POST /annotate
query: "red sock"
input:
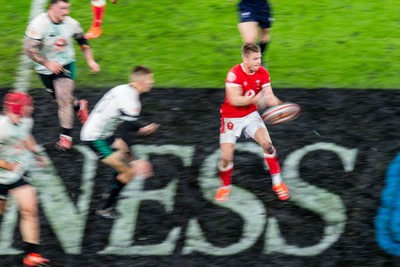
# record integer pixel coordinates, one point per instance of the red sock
(98, 12)
(273, 163)
(225, 174)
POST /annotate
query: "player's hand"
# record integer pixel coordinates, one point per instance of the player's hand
(113, 1)
(94, 67)
(148, 129)
(54, 67)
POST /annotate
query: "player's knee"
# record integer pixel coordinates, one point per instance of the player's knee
(265, 34)
(265, 39)
(29, 212)
(65, 100)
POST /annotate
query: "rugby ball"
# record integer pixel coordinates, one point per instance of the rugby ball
(281, 113)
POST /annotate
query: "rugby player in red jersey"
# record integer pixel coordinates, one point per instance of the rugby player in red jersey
(247, 86)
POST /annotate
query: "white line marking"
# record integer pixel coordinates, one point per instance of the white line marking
(23, 76)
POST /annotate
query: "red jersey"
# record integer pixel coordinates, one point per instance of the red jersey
(251, 85)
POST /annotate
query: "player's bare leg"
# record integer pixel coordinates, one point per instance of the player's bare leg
(265, 38)
(249, 31)
(225, 170)
(26, 198)
(117, 161)
(64, 90)
(264, 140)
(125, 173)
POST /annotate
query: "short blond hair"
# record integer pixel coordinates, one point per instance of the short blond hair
(250, 48)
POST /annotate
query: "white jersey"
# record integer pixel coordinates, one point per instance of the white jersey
(57, 39)
(13, 148)
(121, 103)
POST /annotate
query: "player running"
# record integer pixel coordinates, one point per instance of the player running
(49, 43)
(247, 85)
(16, 147)
(107, 133)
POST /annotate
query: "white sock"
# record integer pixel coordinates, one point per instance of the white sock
(276, 179)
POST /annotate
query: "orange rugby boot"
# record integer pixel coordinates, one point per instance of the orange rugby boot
(64, 143)
(35, 260)
(94, 32)
(222, 194)
(281, 191)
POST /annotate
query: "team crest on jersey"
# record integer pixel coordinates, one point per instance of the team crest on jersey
(250, 93)
(231, 77)
(230, 125)
(60, 42)
(245, 83)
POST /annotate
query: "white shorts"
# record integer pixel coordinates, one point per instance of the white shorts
(232, 128)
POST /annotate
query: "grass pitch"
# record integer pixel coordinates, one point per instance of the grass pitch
(192, 44)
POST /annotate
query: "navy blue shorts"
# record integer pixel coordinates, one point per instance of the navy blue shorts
(258, 11)
(4, 188)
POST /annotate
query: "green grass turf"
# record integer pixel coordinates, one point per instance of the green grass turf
(192, 44)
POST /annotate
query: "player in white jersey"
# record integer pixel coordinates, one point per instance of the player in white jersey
(49, 43)
(16, 147)
(108, 128)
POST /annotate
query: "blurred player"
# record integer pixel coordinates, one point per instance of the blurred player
(49, 42)
(108, 129)
(98, 9)
(247, 85)
(16, 147)
(255, 22)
